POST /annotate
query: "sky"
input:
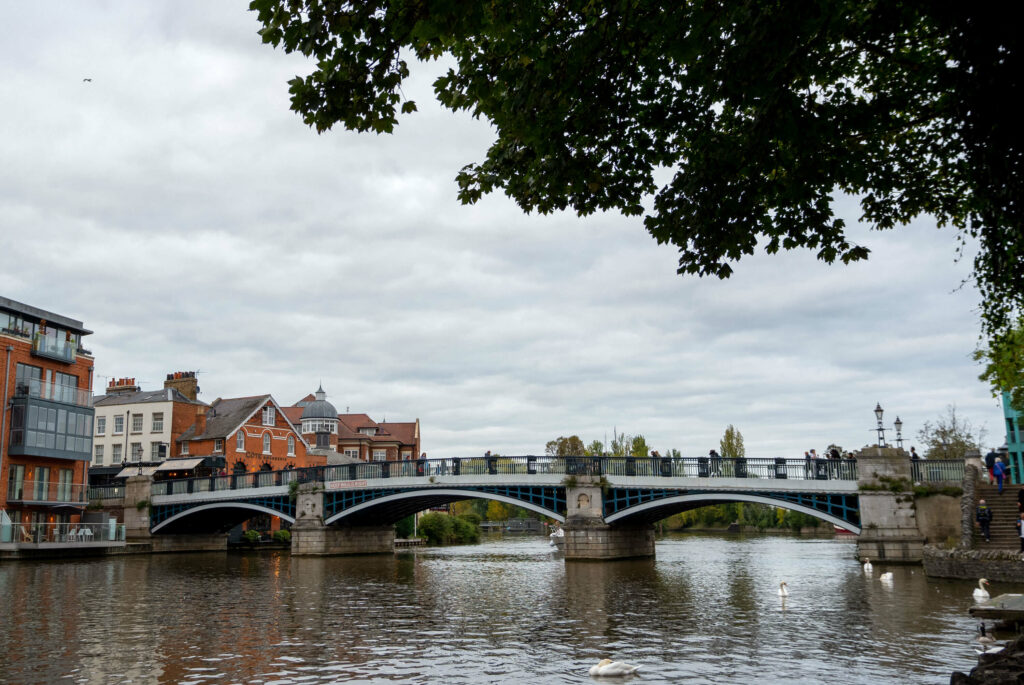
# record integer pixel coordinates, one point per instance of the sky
(177, 207)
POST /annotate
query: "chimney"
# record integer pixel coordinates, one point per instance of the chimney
(121, 386)
(200, 421)
(184, 382)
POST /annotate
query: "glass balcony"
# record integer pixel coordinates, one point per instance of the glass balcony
(45, 492)
(106, 534)
(65, 394)
(54, 348)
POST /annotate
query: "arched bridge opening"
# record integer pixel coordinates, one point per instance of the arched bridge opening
(389, 505)
(624, 506)
(215, 517)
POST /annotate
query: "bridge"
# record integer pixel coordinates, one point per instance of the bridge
(608, 504)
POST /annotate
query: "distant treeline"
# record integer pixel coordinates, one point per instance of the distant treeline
(760, 516)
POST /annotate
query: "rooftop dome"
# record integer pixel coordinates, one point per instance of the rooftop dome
(320, 408)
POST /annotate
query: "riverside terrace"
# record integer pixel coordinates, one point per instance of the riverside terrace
(608, 504)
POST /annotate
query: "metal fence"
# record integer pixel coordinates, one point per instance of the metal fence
(658, 467)
(937, 471)
(65, 533)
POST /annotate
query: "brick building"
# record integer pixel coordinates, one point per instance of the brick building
(46, 423)
(355, 436)
(136, 427)
(251, 433)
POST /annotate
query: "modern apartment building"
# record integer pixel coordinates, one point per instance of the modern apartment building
(46, 424)
(1014, 440)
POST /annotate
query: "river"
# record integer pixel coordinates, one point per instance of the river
(509, 610)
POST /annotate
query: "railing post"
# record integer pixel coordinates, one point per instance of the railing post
(456, 466)
(385, 469)
(741, 467)
(492, 466)
(780, 468)
(531, 465)
(666, 467)
(421, 466)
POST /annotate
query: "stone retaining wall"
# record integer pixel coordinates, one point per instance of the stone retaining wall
(327, 541)
(595, 540)
(996, 565)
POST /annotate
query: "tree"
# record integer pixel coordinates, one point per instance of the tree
(760, 112)
(950, 437)
(731, 444)
(497, 511)
(1004, 365)
(638, 447)
(565, 447)
(595, 449)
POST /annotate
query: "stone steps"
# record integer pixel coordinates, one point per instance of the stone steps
(1004, 516)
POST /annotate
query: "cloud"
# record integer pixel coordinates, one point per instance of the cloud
(180, 209)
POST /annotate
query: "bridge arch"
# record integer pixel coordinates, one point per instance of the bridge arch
(400, 504)
(242, 512)
(662, 508)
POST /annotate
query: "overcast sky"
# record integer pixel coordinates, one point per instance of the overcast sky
(177, 207)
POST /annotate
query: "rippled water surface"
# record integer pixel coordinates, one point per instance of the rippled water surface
(509, 610)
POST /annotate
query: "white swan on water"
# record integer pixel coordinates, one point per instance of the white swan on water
(783, 592)
(867, 565)
(980, 592)
(606, 668)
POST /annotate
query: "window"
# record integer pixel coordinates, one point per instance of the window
(136, 451)
(291, 445)
(64, 480)
(218, 445)
(352, 453)
(380, 455)
(98, 457)
(41, 491)
(266, 443)
(62, 429)
(136, 423)
(184, 447)
(368, 431)
(115, 455)
(240, 441)
(269, 416)
(118, 424)
(155, 451)
(158, 422)
(101, 425)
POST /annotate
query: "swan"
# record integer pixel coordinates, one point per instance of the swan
(867, 565)
(980, 592)
(886, 577)
(606, 668)
(783, 592)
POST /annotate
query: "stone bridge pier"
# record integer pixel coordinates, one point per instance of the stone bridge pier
(588, 537)
(888, 516)
(312, 537)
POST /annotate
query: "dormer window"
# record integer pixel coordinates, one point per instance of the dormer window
(269, 416)
(368, 431)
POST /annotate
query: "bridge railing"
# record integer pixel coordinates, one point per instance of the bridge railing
(660, 467)
(937, 471)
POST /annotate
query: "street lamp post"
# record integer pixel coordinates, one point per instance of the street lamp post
(881, 429)
(898, 425)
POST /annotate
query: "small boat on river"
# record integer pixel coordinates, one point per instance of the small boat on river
(557, 538)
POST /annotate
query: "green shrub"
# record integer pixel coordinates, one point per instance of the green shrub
(404, 528)
(472, 517)
(282, 535)
(466, 532)
(251, 536)
(437, 528)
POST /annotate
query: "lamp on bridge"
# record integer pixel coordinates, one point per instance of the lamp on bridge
(898, 425)
(881, 429)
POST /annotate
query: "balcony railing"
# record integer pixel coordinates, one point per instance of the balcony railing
(69, 534)
(54, 348)
(64, 394)
(938, 471)
(45, 491)
(98, 492)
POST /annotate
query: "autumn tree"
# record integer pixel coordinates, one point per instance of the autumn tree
(565, 447)
(595, 449)
(950, 436)
(759, 113)
(731, 444)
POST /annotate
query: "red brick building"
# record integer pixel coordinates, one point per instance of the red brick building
(46, 423)
(251, 433)
(356, 436)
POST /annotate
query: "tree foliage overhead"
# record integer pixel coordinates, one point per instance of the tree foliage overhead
(731, 444)
(759, 112)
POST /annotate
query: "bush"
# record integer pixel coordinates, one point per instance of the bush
(282, 535)
(472, 517)
(442, 529)
(251, 536)
(404, 528)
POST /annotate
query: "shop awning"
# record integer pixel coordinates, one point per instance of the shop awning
(179, 464)
(134, 471)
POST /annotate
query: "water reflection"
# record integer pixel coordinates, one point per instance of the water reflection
(510, 610)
